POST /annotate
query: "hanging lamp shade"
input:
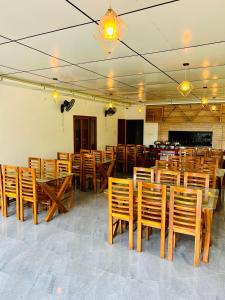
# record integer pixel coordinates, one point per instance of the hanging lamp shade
(110, 30)
(213, 107)
(185, 87)
(204, 101)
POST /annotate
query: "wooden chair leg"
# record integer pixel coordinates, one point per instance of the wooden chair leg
(35, 213)
(5, 200)
(139, 237)
(147, 233)
(95, 184)
(110, 230)
(131, 235)
(197, 251)
(21, 210)
(162, 242)
(170, 245)
(17, 208)
(174, 240)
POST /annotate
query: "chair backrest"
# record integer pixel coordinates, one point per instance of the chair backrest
(35, 163)
(98, 155)
(200, 180)
(152, 203)
(143, 175)
(48, 168)
(210, 160)
(108, 155)
(77, 162)
(131, 153)
(175, 158)
(186, 152)
(1, 186)
(140, 151)
(168, 177)
(63, 156)
(10, 181)
(89, 165)
(63, 166)
(27, 184)
(120, 195)
(109, 148)
(165, 164)
(121, 152)
(211, 170)
(185, 209)
(202, 152)
(85, 151)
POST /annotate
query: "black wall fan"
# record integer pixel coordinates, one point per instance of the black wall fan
(110, 111)
(67, 105)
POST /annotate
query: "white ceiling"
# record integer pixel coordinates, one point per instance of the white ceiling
(40, 40)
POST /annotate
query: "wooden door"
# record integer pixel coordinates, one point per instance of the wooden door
(85, 133)
(121, 137)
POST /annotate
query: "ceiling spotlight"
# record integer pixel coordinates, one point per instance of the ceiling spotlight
(185, 87)
(213, 107)
(55, 94)
(204, 101)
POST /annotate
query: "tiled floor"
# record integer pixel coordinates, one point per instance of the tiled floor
(69, 258)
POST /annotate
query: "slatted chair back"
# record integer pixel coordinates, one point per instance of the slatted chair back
(85, 151)
(211, 170)
(1, 195)
(120, 205)
(152, 211)
(202, 152)
(186, 152)
(121, 156)
(89, 169)
(174, 158)
(108, 155)
(98, 155)
(200, 180)
(63, 156)
(10, 188)
(217, 153)
(48, 168)
(63, 166)
(35, 163)
(77, 163)
(109, 148)
(131, 157)
(140, 151)
(28, 191)
(210, 160)
(185, 217)
(166, 164)
(168, 177)
(142, 175)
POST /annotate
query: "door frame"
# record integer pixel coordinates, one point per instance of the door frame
(89, 138)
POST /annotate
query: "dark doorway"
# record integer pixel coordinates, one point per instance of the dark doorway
(130, 131)
(85, 133)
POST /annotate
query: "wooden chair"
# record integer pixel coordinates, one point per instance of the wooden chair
(168, 177)
(174, 158)
(77, 167)
(63, 166)
(98, 155)
(151, 211)
(108, 155)
(35, 163)
(63, 156)
(28, 191)
(89, 170)
(211, 170)
(121, 157)
(165, 164)
(131, 157)
(48, 168)
(202, 152)
(120, 207)
(185, 217)
(85, 151)
(142, 175)
(186, 152)
(109, 148)
(210, 160)
(10, 188)
(200, 180)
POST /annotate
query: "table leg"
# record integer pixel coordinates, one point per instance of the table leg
(106, 174)
(208, 225)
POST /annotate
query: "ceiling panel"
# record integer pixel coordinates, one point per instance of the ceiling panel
(96, 11)
(67, 73)
(16, 56)
(27, 17)
(75, 45)
(32, 78)
(121, 66)
(4, 70)
(146, 78)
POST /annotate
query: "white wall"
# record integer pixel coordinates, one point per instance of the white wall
(31, 124)
(150, 129)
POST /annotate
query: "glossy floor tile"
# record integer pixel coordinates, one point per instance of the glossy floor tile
(69, 258)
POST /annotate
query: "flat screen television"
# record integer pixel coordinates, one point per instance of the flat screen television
(191, 138)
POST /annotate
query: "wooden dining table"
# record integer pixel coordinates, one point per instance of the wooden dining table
(49, 187)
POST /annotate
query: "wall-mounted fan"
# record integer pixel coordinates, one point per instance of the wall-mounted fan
(110, 111)
(67, 105)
